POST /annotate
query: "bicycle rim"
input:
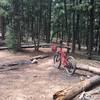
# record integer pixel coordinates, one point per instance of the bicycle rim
(57, 60)
(70, 69)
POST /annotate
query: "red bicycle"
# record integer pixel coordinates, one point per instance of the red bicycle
(60, 57)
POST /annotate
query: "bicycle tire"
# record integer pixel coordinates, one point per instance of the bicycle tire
(70, 69)
(57, 60)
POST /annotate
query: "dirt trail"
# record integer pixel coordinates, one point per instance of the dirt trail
(32, 82)
(36, 82)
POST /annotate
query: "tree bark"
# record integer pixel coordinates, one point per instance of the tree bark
(66, 28)
(78, 27)
(91, 34)
(72, 91)
(49, 21)
(2, 26)
(39, 57)
(74, 32)
(99, 45)
(99, 37)
(89, 68)
(91, 95)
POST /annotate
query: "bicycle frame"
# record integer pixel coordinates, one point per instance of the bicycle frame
(62, 54)
(63, 57)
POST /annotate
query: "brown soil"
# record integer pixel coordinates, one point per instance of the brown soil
(36, 81)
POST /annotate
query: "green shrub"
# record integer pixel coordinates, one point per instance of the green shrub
(11, 41)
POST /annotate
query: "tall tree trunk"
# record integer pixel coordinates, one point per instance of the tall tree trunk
(22, 20)
(16, 23)
(96, 40)
(69, 26)
(78, 27)
(38, 25)
(91, 34)
(45, 27)
(99, 37)
(49, 20)
(65, 10)
(99, 44)
(87, 35)
(74, 32)
(2, 26)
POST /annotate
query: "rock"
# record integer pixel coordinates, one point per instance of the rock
(34, 61)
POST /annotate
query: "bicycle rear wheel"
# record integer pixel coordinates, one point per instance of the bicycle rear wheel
(70, 69)
(57, 60)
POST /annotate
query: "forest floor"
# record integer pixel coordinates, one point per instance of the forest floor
(36, 81)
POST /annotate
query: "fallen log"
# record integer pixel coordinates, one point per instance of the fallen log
(39, 57)
(22, 62)
(12, 64)
(90, 95)
(72, 91)
(89, 68)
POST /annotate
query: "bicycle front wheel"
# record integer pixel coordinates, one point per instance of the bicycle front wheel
(70, 69)
(57, 60)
